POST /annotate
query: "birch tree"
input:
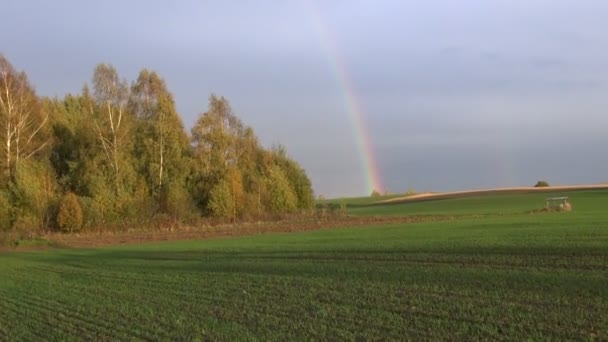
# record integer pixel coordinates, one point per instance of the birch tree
(161, 140)
(216, 137)
(23, 125)
(112, 95)
(215, 143)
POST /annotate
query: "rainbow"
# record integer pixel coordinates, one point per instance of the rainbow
(354, 109)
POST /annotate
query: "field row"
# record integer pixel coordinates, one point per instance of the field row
(490, 277)
(149, 295)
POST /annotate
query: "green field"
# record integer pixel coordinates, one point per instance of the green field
(584, 201)
(509, 275)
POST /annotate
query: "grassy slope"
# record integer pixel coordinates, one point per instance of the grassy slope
(482, 204)
(538, 276)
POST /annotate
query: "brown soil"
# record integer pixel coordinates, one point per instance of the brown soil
(522, 189)
(193, 233)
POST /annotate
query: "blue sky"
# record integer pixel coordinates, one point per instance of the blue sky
(456, 94)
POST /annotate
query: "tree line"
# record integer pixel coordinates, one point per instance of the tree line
(118, 153)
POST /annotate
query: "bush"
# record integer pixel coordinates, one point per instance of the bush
(220, 202)
(376, 194)
(69, 217)
(176, 202)
(541, 184)
(33, 195)
(26, 227)
(343, 209)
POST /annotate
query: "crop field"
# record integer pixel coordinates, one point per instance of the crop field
(506, 274)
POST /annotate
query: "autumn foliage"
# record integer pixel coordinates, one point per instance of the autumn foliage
(69, 216)
(118, 154)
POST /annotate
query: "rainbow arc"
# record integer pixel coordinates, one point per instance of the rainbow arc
(353, 107)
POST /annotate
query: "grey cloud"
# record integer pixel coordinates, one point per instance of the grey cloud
(548, 62)
(449, 90)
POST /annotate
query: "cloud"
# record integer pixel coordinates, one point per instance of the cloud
(448, 89)
(548, 63)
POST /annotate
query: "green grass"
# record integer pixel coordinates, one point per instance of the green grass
(514, 277)
(481, 204)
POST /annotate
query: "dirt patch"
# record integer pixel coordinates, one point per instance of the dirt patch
(511, 190)
(134, 236)
(412, 197)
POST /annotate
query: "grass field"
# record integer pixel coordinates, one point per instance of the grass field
(585, 201)
(508, 275)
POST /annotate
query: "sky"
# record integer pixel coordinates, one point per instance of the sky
(450, 95)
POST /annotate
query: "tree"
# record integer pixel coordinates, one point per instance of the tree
(120, 154)
(112, 124)
(541, 184)
(235, 181)
(226, 197)
(161, 147)
(215, 136)
(282, 196)
(297, 177)
(76, 152)
(80, 163)
(23, 125)
(216, 147)
(252, 173)
(220, 200)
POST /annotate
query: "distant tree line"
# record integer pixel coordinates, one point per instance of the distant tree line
(118, 153)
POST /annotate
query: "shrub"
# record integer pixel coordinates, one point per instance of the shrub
(343, 209)
(33, 195)
(541, 184)
(26, 226)
(376, 194)
(176, 202)
(69, 217)
(220, 201)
